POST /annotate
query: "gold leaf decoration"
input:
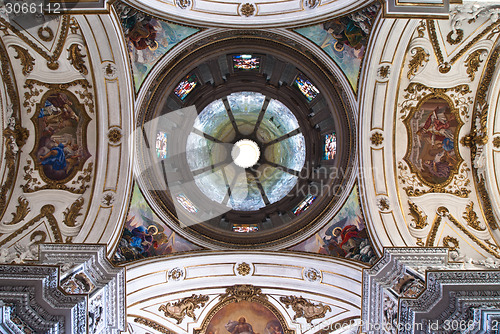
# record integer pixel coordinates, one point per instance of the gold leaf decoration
(247, 9)
(154, 325)
(450, 240)
(22, 210)
(377, 139)
(473, 62)
(184, 307)
(420, 57)
(304, 308)
(243, 269)
(471, 218)
(243, 292)
(73, 212)
(75, 58)
(27, 61)
(418, 217)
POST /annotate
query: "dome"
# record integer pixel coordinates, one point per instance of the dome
(252, 143)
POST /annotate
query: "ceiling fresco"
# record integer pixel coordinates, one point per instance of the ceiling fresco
(345, 39)
(374, 139)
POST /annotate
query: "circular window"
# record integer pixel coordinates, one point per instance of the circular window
(246, 153)
(253, 145)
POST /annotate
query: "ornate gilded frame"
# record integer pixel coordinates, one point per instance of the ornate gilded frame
(456, 112)
(85, 119)
(239, 293)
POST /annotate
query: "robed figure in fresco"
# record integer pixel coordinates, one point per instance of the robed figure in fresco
(239, 327)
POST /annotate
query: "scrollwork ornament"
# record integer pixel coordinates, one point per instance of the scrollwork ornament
(419, 219)
(75, 58)
(471, 218)
(419, 58)
(242, 292)
(473, 62)
(184, 307)
(304, 308)
(73, 212)
(27, 61)
(451, 243)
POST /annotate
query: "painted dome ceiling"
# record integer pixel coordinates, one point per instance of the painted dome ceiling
(246, 141)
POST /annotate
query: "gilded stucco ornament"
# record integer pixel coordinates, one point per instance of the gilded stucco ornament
(27, 61)
(304, 308)
(419, 58)
(242, 292)
(176, 274)
(243, 269)
(75, 58)
(377, 139)
(183, 4)
(451, 243)
(115, 136)
(312, 275)
(419, 218)
(383, 203)
(247, 9)
(384, 71)
(471, 218)
(184, 307)
(154, 325)
(473, 62)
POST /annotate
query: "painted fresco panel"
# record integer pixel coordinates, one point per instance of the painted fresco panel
(61, 142)
(344, 236)
(145, 235)
(433, 148)
(244, 318)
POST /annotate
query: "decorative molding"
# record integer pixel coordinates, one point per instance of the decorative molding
(184, 307)
(384, 71)
(22, 210)
(176, 274)
(52, 60)
(304, 308)
(312, 275)
(115, 135)
(451, 240)
(154, 325)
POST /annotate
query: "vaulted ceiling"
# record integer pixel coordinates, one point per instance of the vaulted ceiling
(372, 132)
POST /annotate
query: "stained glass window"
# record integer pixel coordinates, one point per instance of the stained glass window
(186, 203)
(246, 62)
(330, 146)
(245, 228)
(161, 145)
(186, 86)
(304, 205)
(306, 87)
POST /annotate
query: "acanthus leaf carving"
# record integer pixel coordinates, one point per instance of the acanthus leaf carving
(73, 212)
(419, 219)
(75, 58)
(27, 61)
(471, 218)
(420, 57)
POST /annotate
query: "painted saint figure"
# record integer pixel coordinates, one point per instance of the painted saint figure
(239, 327)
